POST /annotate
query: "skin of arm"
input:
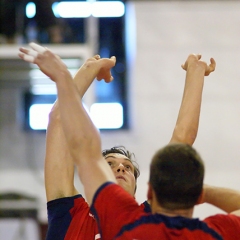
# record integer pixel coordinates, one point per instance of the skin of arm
(226, 199)
(58, 162)
(82, 137)
(186, 127)
(59, 167)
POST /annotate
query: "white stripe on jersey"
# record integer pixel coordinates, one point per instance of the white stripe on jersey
(97, 236)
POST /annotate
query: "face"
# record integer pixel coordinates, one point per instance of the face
(123, 170)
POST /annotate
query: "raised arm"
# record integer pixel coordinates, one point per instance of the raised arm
(226, 199)
(82, 137)
(186, 127)
(59, 166)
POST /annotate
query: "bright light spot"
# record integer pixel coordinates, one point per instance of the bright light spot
(108, 9)
(38, 116)
(82, 9)
(30, 10)
(54, 9)
(107, 115)
(44, 89)
(86, 9)
(72, 9)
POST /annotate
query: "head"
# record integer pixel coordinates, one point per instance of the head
(176, 177)
(123, 166)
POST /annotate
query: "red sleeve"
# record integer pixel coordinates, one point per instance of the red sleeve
(113, 207)
(83, 225)
(227, 225)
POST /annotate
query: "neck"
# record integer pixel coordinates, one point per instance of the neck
(156, 208)
(174, 213)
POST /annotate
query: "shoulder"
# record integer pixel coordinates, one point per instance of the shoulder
(114, 195)
(70, 216)
(65, 199)
(226, 218)
(113, 201)
(65, 203)
(228, 225)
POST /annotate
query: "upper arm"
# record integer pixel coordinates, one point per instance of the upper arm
(184, 134)
(93, 174)
(59, 167)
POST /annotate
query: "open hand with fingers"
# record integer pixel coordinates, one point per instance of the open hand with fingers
(48, 62)
(52, 65)
(196, 60)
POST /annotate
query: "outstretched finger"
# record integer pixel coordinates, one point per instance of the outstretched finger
(26, 57)
(23, 50)
(199, 56)
(97, 56)
(113, 58)
(212, 64)
(184, 66)
(28, 54)
(211, 67)
(37, 47)
(108, 80)
(32, 53)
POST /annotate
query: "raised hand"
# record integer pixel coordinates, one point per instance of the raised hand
(48, 62)
(101, 67)
(196, 59)
(30, 55)
(52, 65)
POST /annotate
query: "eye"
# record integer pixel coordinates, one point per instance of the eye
(128, 167)
(110, 164)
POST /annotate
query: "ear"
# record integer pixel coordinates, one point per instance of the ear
(200, 198)
(149, 192)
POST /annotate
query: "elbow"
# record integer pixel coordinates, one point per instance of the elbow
(54, 120)
(84, 148)
(54, 115)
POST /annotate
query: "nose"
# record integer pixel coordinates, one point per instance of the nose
(121, 168)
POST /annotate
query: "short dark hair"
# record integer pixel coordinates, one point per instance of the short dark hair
(176, 176)
(122, 150)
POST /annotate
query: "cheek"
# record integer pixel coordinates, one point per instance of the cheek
(133, 180)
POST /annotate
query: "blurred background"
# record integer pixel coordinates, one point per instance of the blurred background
(151, 39)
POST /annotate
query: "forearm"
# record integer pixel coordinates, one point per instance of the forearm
(82, 82)
(83, 79)
(186, 127)
(59, 167)
(80, 132)
(226, 199)
(58, 161)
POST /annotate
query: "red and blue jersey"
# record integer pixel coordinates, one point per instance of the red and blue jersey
(120, 218)
(69, 218)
